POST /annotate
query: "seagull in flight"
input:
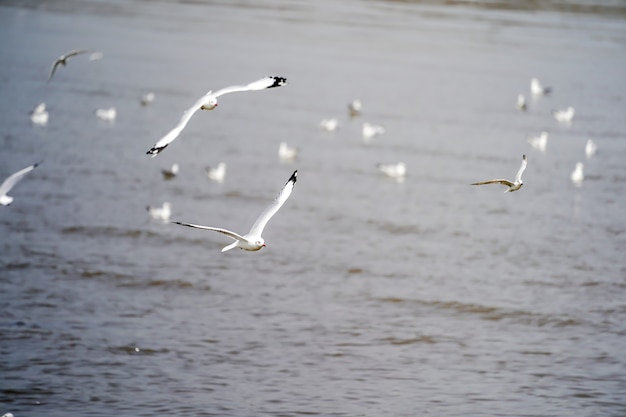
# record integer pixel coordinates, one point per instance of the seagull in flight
(10, 182)
(513, 186)
(209, 102)
(252, 241)
(62, 60)
(537, 89)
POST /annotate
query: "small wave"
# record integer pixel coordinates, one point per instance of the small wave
(410, 341)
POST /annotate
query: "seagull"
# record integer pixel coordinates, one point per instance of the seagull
(355, 107)
(397, 170)
(209, 102)
(7, 415)
(39, 115)
(590, 148)
(168, 174)
(330, 125)
(521, 102)
(10, 182)
(107, 115)
(539, 142)
(147, 99)
(537, 89)
(287, 153)
(513, 186)
(370, 130)
(577, 175)
(62, 60)
(564, 116)
(253, 241)
(217, 173)
(161, 213)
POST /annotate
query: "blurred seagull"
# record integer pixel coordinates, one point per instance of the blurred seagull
(161, 213)
(10, 182)
(147, 99)
(209, 102)
(168, 174)
(539, 142)
(62, 60)
(370, 130)
(253, 241)
(217, 173)
(329, 125)
(513, 186)
(537, 89)
(355, 107)
(286, 152)
(39, 115)
(521, 102)
(590, 148)
(564, 116)
(577, 175)
(397, 170)
(107, 115)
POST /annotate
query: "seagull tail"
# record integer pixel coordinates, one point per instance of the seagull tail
(231, 246)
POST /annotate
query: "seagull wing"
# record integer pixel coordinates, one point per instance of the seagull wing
(503, 182)
(261, 221)
(518, 177)
(215, 229)
(15, 178)
(75, 52)
(54, 68)
(263, 83)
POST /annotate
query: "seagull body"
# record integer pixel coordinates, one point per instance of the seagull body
(147, 99)
(590, 148)
(521, 102)
(370, 130)
(107, 115)
(564, 116)
(252, 241)
(537, 89)
(539, 142)
(397, 170)
(62, 60)
(161, 213)
(355, 107)
(209, 102)
(513, 186)
(39, 115)
(577, 176)
(10, 182)
(217, 173)
(286, 152)
(330, 125)
(168, 174)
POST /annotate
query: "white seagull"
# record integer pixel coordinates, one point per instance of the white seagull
(168, 174)
(209, 102)
(253, 241)
(62, 60)
(370, 130)
(286, 152)
(513, 186)
(564, 116)
(521, 102)
(590, 148)
(539, 142)
(10, 182)
(161, 213)
(147, 99)
(537, 89)
(577, 175)
(217, 173)
(397, 170)
(329, 125)
(355, 107)
(39, 115)
(107, 115)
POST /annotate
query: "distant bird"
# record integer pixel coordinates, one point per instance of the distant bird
(539, 142)
(209, 102)
(537, 89)
(396, 170)
(147, 99)
(217, 173)
(577, 176)
(253, 241)
(590, 148)
(162, 213)
(329, 125)
(521, 102)
(62, 60)
(39, 115)
(10, 182)
(370, 130)
(513, 186)
(170, 173)
(107, 115)
(286, 152)
(564, 116)
(355, 107)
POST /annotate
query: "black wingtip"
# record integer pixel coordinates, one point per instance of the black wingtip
(278, 81)
(155, 151)
(294, 176)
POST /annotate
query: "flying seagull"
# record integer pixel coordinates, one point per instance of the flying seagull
(170, 173)
(513, 186)
(253, 241)
(62, 60)
(537, 89)
(209, 102)
(10, 182)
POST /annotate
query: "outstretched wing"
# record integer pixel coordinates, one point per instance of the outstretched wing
(54, 68)
(215, 229)
(263, 83)
(518, 177)
(75, 52)
(503, 182)
(15, 178)
(261, 221)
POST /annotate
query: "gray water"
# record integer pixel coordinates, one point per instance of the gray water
(427, 297)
